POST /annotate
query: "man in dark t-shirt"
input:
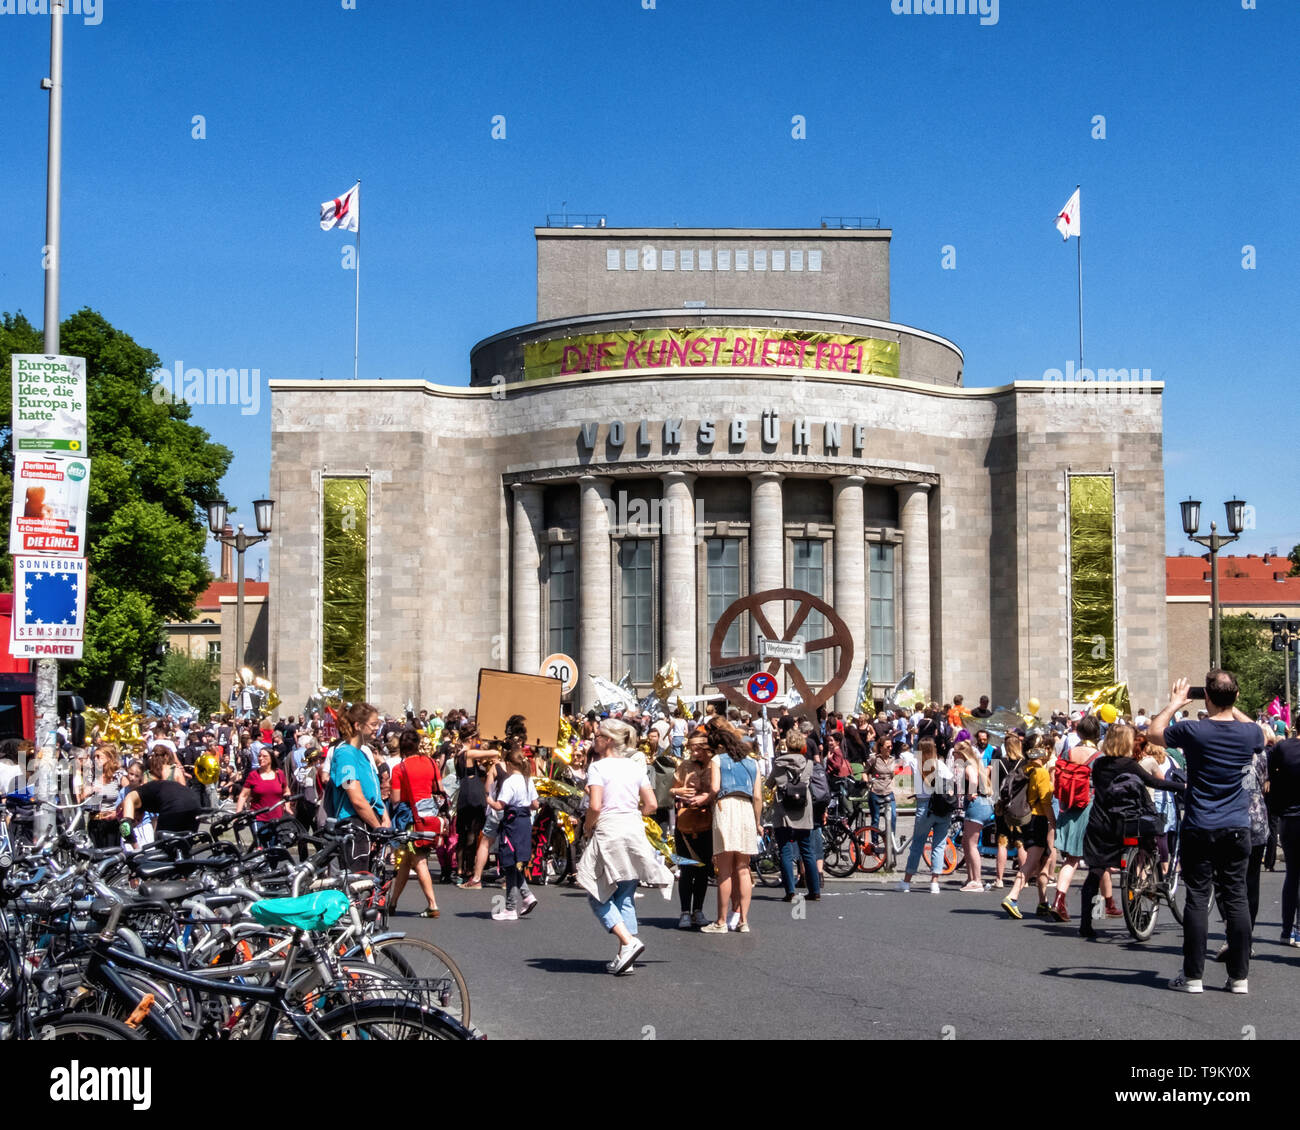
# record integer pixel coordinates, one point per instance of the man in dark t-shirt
(1219, 750)
(175, 807)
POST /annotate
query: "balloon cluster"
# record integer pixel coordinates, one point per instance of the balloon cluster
(119, 726)
(265, 700)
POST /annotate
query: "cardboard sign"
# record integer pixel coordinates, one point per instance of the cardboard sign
(49, 504)
(537, 698)
(49, 606)
(49, 403)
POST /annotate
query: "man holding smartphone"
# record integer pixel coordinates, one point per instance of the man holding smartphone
(1219, 750)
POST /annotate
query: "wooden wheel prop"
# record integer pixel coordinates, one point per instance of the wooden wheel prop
(840, 638)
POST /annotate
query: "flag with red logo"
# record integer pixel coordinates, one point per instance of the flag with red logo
(344, 212)
(1067, 219)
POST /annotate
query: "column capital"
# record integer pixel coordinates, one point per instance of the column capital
(766, 476)
(902, 487)
(842, 481)
(524, 488)
(592, 478)
(687, 477)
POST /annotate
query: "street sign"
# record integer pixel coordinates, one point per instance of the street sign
(733, 672)
(782, 649)
(49, 404)
(761, 688)
(562, 667)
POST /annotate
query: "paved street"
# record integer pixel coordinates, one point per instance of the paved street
(865, 962)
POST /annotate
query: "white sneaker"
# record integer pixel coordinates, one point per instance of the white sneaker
(626, 956)
(1237, 986)
(1181, 984)
(684, 922)
(504, 916)
(935, 889)
(733, 920)
(904, 885)
(699, 918)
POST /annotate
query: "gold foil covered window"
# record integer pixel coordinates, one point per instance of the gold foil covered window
(344, 586)
(1092, 584)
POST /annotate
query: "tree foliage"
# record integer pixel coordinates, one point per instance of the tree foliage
(195, 680)
(1294, 556)
(1245, 643)
(152, 475)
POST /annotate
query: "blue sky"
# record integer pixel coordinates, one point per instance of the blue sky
(953, 132)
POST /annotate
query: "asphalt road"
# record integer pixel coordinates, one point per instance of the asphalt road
(865, 962)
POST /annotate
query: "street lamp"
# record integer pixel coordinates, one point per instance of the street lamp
(262, 508)
(1235, 509)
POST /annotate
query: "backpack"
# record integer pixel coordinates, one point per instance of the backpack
(819, 788)
(1074, 783)
(943, 798)
(1013, 797)
(793, 793)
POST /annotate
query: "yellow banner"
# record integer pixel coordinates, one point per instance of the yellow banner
(696, 347)
(1092, 584)
(345, 586)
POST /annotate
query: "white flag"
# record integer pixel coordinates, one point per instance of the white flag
(1067, 220)
(343, 213)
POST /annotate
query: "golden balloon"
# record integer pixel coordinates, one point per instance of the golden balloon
(1108, 713)
(1033, 705)
(207, 769)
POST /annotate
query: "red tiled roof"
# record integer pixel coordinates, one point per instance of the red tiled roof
(1242, 580)
(210, 598)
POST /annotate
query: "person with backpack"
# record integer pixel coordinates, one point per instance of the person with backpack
(935, 788)
(979, 810)
(1028, 805)
(1119, 796)
(793, 819)
(1074, 796)
(819, 787)
(1002, 767)
(416, 785)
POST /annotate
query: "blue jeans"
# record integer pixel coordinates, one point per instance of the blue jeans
(791, 840)
(925, 824)
(619, 907)
(876, 803)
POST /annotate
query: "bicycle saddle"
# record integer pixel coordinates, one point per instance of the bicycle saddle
(308, 912)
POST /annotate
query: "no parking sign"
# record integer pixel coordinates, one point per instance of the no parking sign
(761, 688)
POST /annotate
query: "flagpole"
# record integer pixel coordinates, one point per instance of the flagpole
(356, 311)
(1080, 251)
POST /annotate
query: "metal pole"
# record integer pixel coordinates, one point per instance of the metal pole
(47, 670)
(1080, 251)
(240, 546)
(1214, 596)
(1286, 665)
(356, 310)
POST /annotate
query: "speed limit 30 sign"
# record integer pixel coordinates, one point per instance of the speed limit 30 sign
(562, 667)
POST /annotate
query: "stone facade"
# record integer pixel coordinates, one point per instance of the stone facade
(443, 463)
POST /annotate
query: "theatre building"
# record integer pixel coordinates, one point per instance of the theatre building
(698, 416)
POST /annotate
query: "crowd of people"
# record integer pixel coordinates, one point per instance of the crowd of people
(1060, 794)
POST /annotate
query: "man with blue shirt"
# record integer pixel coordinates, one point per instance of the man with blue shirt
(354, 799)
(1219, 751)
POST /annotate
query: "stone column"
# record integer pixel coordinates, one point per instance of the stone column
(851, 579)
(595, 612)
(767, 546)
(677, 548)
(525, 580)
(914, 518)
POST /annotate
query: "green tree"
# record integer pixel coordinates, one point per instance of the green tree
(1294, 556)
(1246, 645)
(152, 475)
(195, 680)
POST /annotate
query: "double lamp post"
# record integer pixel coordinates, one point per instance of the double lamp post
(240, 543)
(1215, 541)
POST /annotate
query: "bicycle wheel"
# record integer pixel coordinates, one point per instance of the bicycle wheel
(418, 960)
(1141, 901)
(390, 1020)
(555, 856)
(838, 850)
(1172, 886)
(871, 849)
(83, 1026)
(949, 857)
